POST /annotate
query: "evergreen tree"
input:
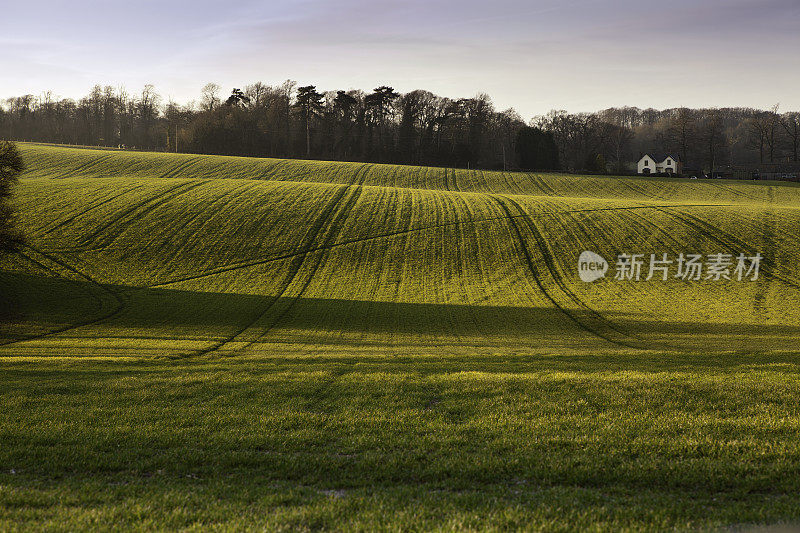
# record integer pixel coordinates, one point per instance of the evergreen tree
(309, 102)
(380, 103)
(10, 166)
(236, 98)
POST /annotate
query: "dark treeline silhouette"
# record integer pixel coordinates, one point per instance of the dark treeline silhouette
(706, 139)
(10, 167)
(417, 127)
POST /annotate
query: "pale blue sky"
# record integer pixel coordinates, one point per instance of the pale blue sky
(580, 55)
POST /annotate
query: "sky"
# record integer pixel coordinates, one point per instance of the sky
(532, 55)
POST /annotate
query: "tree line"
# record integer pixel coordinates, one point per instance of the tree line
(417, 127)
(705, 139)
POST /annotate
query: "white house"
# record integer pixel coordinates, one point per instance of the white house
(659, 164)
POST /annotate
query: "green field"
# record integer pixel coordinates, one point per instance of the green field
(208, 342)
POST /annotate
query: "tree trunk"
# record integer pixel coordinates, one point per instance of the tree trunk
(308, 132)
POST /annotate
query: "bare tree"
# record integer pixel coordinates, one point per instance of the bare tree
(147, 107)
(257, 93)
(712, 137)
(210, 96)
(682, 131)
(773, 130)
(791, 125)
(618, 134)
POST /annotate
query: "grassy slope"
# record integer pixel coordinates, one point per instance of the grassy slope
(368, 345)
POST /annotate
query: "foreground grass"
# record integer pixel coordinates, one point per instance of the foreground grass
(557, 443)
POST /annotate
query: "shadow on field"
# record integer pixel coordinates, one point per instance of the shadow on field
(72, 316)
(464, 432)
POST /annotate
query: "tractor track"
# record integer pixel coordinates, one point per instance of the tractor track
(339, 218)
(396, 269)
(556, 277)
(220, 202)
(544, 186)
(289, 255)
(461, 260)
(446, 180)
(732, 243)
(84, 166)
(180, 167)
(738, 193)
(552, 268)
(454, 182)
(327, 218)
(94, 206)
(146, 206)
(118, 307)
(269, 174)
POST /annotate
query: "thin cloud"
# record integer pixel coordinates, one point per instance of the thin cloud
(532, 55)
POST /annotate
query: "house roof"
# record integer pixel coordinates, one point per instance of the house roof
(659, 157)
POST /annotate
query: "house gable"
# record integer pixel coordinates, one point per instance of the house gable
(647, 165)
(658, 164)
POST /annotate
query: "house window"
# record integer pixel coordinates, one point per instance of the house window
(646, 163)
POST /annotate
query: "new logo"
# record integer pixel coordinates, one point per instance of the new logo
(591, 266)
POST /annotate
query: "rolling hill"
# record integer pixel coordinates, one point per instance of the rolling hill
(218, 343)
(185, 256)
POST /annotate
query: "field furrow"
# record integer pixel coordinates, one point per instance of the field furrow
(561, 296)
(237, 256)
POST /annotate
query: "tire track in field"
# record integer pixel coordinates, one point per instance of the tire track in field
(119, 303)
(294, 268)
(461, 261)
(146, 206)
(396, 268)
(328, 218)
(480, 183)
(542, 185)
(334, 229)
(339, 217)
(638, 222)
(590, 228)
(552, 267)
(601, 327)
(389, 181)
(768, 228)
(92, 207)
(219, 203)
(638, 192)
(454, 181)
(513, 186)
(731, 242)
(738, 193)
(180, 167)
(443, 317)
(84, 166)
(269, 173)
(289, 255)
(589, 233)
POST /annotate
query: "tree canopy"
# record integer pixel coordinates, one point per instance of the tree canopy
(417, 127)
(11, 165)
